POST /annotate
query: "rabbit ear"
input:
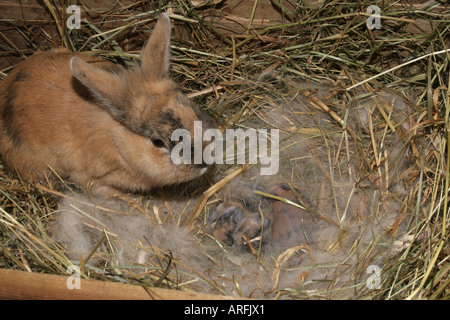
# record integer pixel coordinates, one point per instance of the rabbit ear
(106, 87)
(156, 53)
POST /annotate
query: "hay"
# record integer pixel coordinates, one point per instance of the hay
(231, 63)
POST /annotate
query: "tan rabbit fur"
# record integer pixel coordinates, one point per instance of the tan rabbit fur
(94, 123)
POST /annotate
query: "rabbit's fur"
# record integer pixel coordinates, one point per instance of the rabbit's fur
(94, 123)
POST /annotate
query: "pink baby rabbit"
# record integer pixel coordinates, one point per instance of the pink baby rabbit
(106, 128)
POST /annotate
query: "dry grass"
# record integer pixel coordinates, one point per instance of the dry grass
(220, 64)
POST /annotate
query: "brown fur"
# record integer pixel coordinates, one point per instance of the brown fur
(97, 124)
(291, 226)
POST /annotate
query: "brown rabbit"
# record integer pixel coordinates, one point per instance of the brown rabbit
(94, 123)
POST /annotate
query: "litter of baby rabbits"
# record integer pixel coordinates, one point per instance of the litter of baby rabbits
(344, 220)
(357, 209)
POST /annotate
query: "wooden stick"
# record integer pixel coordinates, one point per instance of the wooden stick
(28, 285)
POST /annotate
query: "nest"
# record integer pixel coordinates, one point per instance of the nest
(229, 60)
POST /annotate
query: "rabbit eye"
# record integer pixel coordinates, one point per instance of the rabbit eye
(158, 143)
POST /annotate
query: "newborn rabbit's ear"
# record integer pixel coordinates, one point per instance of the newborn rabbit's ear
(105, 86)
(156, 53)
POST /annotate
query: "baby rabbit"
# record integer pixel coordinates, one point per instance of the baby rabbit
(106, 128)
